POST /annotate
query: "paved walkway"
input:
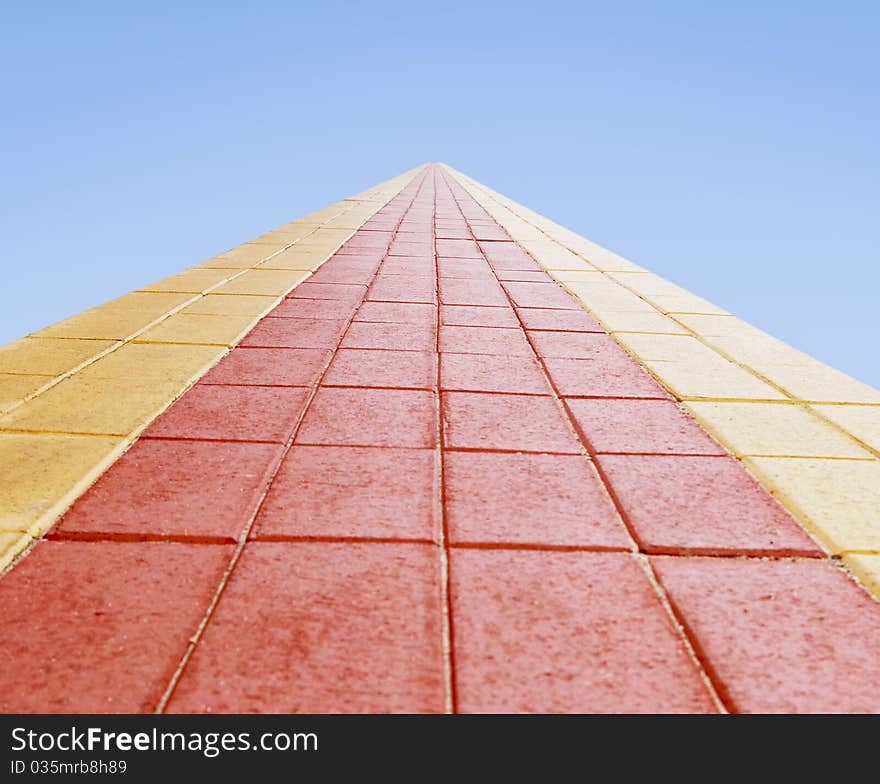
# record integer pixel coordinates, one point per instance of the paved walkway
(428, 480)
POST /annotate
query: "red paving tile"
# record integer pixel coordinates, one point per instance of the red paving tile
(780, 636)
(484, 373)
(341, 270)
(101, 625)
(338, 292)
(295, 333)
(232, 413)
(402, 337)
(474, 269)
(373, 239)
(507, 422)
(350, 628)
(476, 316)
(462, 249)
(161, 488)
(508, 256)
(421, 266)
(641, 426)
(373, 255)
(484, 340)
(706, 504)
(371, 368)
(370, 417)
(524, 276)
(397, 313)
(401, 288)
(540, 295)
(561, 320)
(574, 345)
(458, 231)
(614, 374)
(461, 291)
(269, 366)
(325, 491)
(489, 231)
(314, 309)
(402, 248)
(529, 499)
(555, 632)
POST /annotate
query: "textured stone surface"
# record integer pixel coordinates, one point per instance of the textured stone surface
(550, 632)
(781, 636)
(351, 628)
(105, 623)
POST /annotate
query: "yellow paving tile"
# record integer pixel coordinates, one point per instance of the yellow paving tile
(193, 281)
(14, 389)
(263, 282)
(517, 228)
(322, 216)
(648, 283)
(296, 258)
(342, 224)
(591, 276)
(867, 569)
(837, 499)
(668, 347)
(106, 323)
(101, 406)
(645, 321)
(49, 356)
(249, 254)
(44, 473)
(338, 229)
(693, 370)
(287, 234)
(714, 378)
(157, 302)
(219, 330)
(718, 325)
(684, 303)
(232, 305)
(222, 262)
(309, 247)
(756, 349)
(553, 256)
(11, 544)
(802, 376)
(155, 361)
(608, 297)
(779, 429)
(862, 421)
(816, 381)
(602, 258)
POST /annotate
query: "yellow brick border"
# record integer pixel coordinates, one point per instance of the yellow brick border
(74, 396)
(809, 433)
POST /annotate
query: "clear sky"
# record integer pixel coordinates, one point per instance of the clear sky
(729, 146)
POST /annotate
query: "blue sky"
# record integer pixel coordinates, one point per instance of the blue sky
(731, 147)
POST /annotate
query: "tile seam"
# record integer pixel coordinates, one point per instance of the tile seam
(447, 620)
